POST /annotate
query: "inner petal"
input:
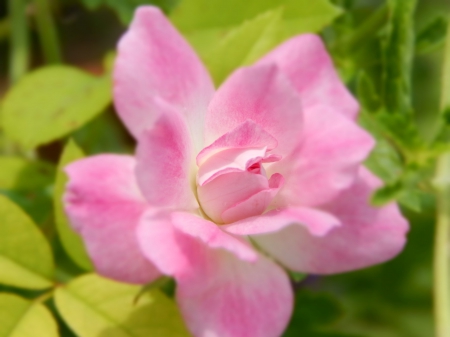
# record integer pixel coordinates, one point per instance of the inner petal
(227, 161)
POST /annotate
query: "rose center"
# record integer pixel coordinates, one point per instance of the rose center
(232, 184)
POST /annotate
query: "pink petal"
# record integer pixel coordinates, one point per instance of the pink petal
(227, 161)
(227, 297)
(310, 220)
(367, 236)
(223, 287)
(104, 205)
(325, 163)
(162, 238)
(228, 190)
(245, 135)
(212, 236)
(263, 95)
(165, 163)
(308, 65)
(154, 61)
(255, 204)
(162, 243)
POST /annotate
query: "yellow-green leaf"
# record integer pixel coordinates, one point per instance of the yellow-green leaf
(51, 102)
(244, 44)
(22, 318)
(96, 307)
(20, 174)
(25, 256)
(234, 33)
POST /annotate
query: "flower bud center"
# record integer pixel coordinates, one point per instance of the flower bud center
(232, 184)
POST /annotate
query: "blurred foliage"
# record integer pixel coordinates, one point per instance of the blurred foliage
(390, 55)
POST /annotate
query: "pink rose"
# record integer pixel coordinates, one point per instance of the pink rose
(273, 157)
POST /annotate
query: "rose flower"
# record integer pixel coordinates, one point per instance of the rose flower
(229, 189)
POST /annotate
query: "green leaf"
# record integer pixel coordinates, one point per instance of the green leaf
(19, 174)
(404, 189)
(300, 15)
(125, 8)
(244, 44)
(105, 133)
(432, 36)
(387, 193)
(402, 131)
(51, 102)
(383, 161)
(239, 32)
(96, 307)
(398, 54)
(367, 94)
(22, 318)
(37, 203)
(71, 241)
(25, 256)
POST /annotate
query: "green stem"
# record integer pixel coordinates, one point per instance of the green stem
(365, 30)
(442, 249)
(4, 29)
(442, 234)
(44, 297)
(47, 32)
(445, 85)
(19, 40)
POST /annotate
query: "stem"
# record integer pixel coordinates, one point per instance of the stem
(445, 86)
(442, 235)
(47, 32)
(4, 29)
(19, 40)
(442, 249)
(365, 30)
(44, 297)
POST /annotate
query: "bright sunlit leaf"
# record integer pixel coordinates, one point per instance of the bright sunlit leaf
(244, 44)
(23, 318)
(229, 34)
(25, 257)
(96, 307)
(51, 102)
(20, 174)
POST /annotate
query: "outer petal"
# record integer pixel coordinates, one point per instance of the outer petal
(227, 297)
(220, 292)
(263, 95)
(162, 238)
(165, 161)
(155, 61)
(326, 161)
(306, 62)
(313, 221)
(104, 205)
(367, 236)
